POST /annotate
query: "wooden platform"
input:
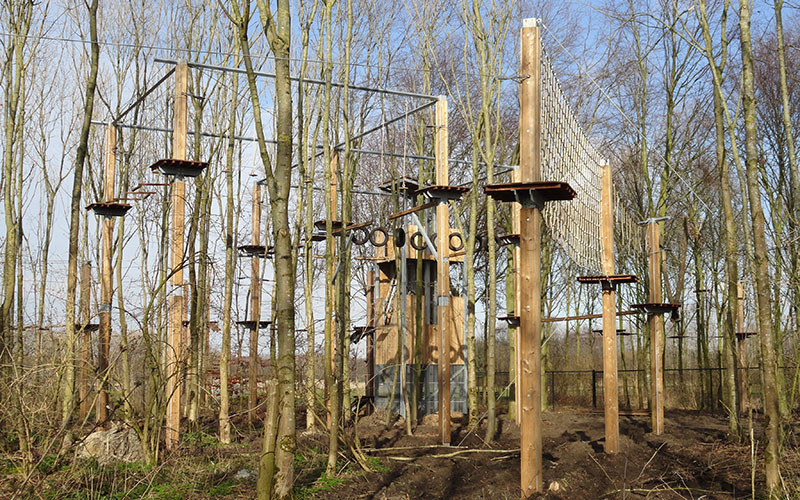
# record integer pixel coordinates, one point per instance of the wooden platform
(657, 308)
(744, 335)
(608, 282)
(442, 193)
(179, 168)
(530, 194)
(109, 208)
(359, 332)
(406, 186)
(252, 325)
(511, 320)
(88, 327)
(252, 251)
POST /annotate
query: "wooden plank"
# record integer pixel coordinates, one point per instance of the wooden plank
(176, 308)
(530, 332)
(411, 210)
(656, 322)
(443, 269)
(610, 384)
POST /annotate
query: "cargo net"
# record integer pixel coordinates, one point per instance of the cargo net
(569, 156)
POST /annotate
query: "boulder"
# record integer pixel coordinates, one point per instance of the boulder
(120, 443)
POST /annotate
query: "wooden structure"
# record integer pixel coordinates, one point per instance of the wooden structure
(389, 348)
(532, 194)
(655, 310)
(177, 169)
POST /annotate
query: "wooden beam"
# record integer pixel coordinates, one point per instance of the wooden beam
(610, 385)
(656, 322)
(178, 221)
(586, 316)
(106, 288)
(530, 331)
(411, 210)
(443, 269)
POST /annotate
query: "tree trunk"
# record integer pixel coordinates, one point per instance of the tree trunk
(762, 278)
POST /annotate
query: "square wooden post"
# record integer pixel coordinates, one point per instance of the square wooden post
(530, 331)
(656, 322)
(176, 307)
(106, 289)
(610, 385)
(443, 268)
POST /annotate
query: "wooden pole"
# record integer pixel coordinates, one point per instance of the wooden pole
(370, 387)
(530, 331)
(516, 176)
(255, 306)
(610, 385)
(443, 268)
(176, 307)
(656, 322)
(83, 385)
(334, 166)
(741, 358)
(106, 290)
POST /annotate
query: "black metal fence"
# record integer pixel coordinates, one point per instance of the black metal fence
(691, 388)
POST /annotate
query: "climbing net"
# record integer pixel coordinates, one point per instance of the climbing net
(568, 155)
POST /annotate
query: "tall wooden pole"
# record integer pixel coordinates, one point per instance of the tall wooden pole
(330, 291)
(176, 307)
(106, 290)
(515, 225)
(741, 358)
(255, 306)
(443, 269)
(530, 331)
(656, 322)
(83, 384)
(370, 388)
(610, 385)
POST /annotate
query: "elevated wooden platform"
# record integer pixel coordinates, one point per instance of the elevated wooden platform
(531, 194)
(621, 332)
(179, 168)
(608, 282)
(657, 308)
(88, 327)
(109, 208)
(744, 335)
(253, 325)
(406, 186)
(442, 193)
(259, 251)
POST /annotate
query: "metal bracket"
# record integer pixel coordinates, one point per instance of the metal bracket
(444, 300)
(104, 308)
(532, 200)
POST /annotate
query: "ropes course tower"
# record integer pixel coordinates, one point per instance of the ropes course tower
(565, 183)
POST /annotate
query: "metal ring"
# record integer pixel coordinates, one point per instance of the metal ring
(460, 245)
(374, 241)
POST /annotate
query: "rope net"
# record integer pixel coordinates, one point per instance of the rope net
(568, 155)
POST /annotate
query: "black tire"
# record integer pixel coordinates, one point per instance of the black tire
(374, 240)
(360, 235)
(417, 241)
(399, 237)
(459, 246)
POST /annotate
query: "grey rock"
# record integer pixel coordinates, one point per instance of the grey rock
(120, 443)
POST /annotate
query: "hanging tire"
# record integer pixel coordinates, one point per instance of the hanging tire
(417, 241)
(377, 240)
(399, 237)
(360, 235)
(455, 247)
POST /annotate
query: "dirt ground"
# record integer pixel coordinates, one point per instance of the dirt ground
(693, 459)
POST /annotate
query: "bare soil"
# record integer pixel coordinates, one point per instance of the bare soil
(693, 459)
